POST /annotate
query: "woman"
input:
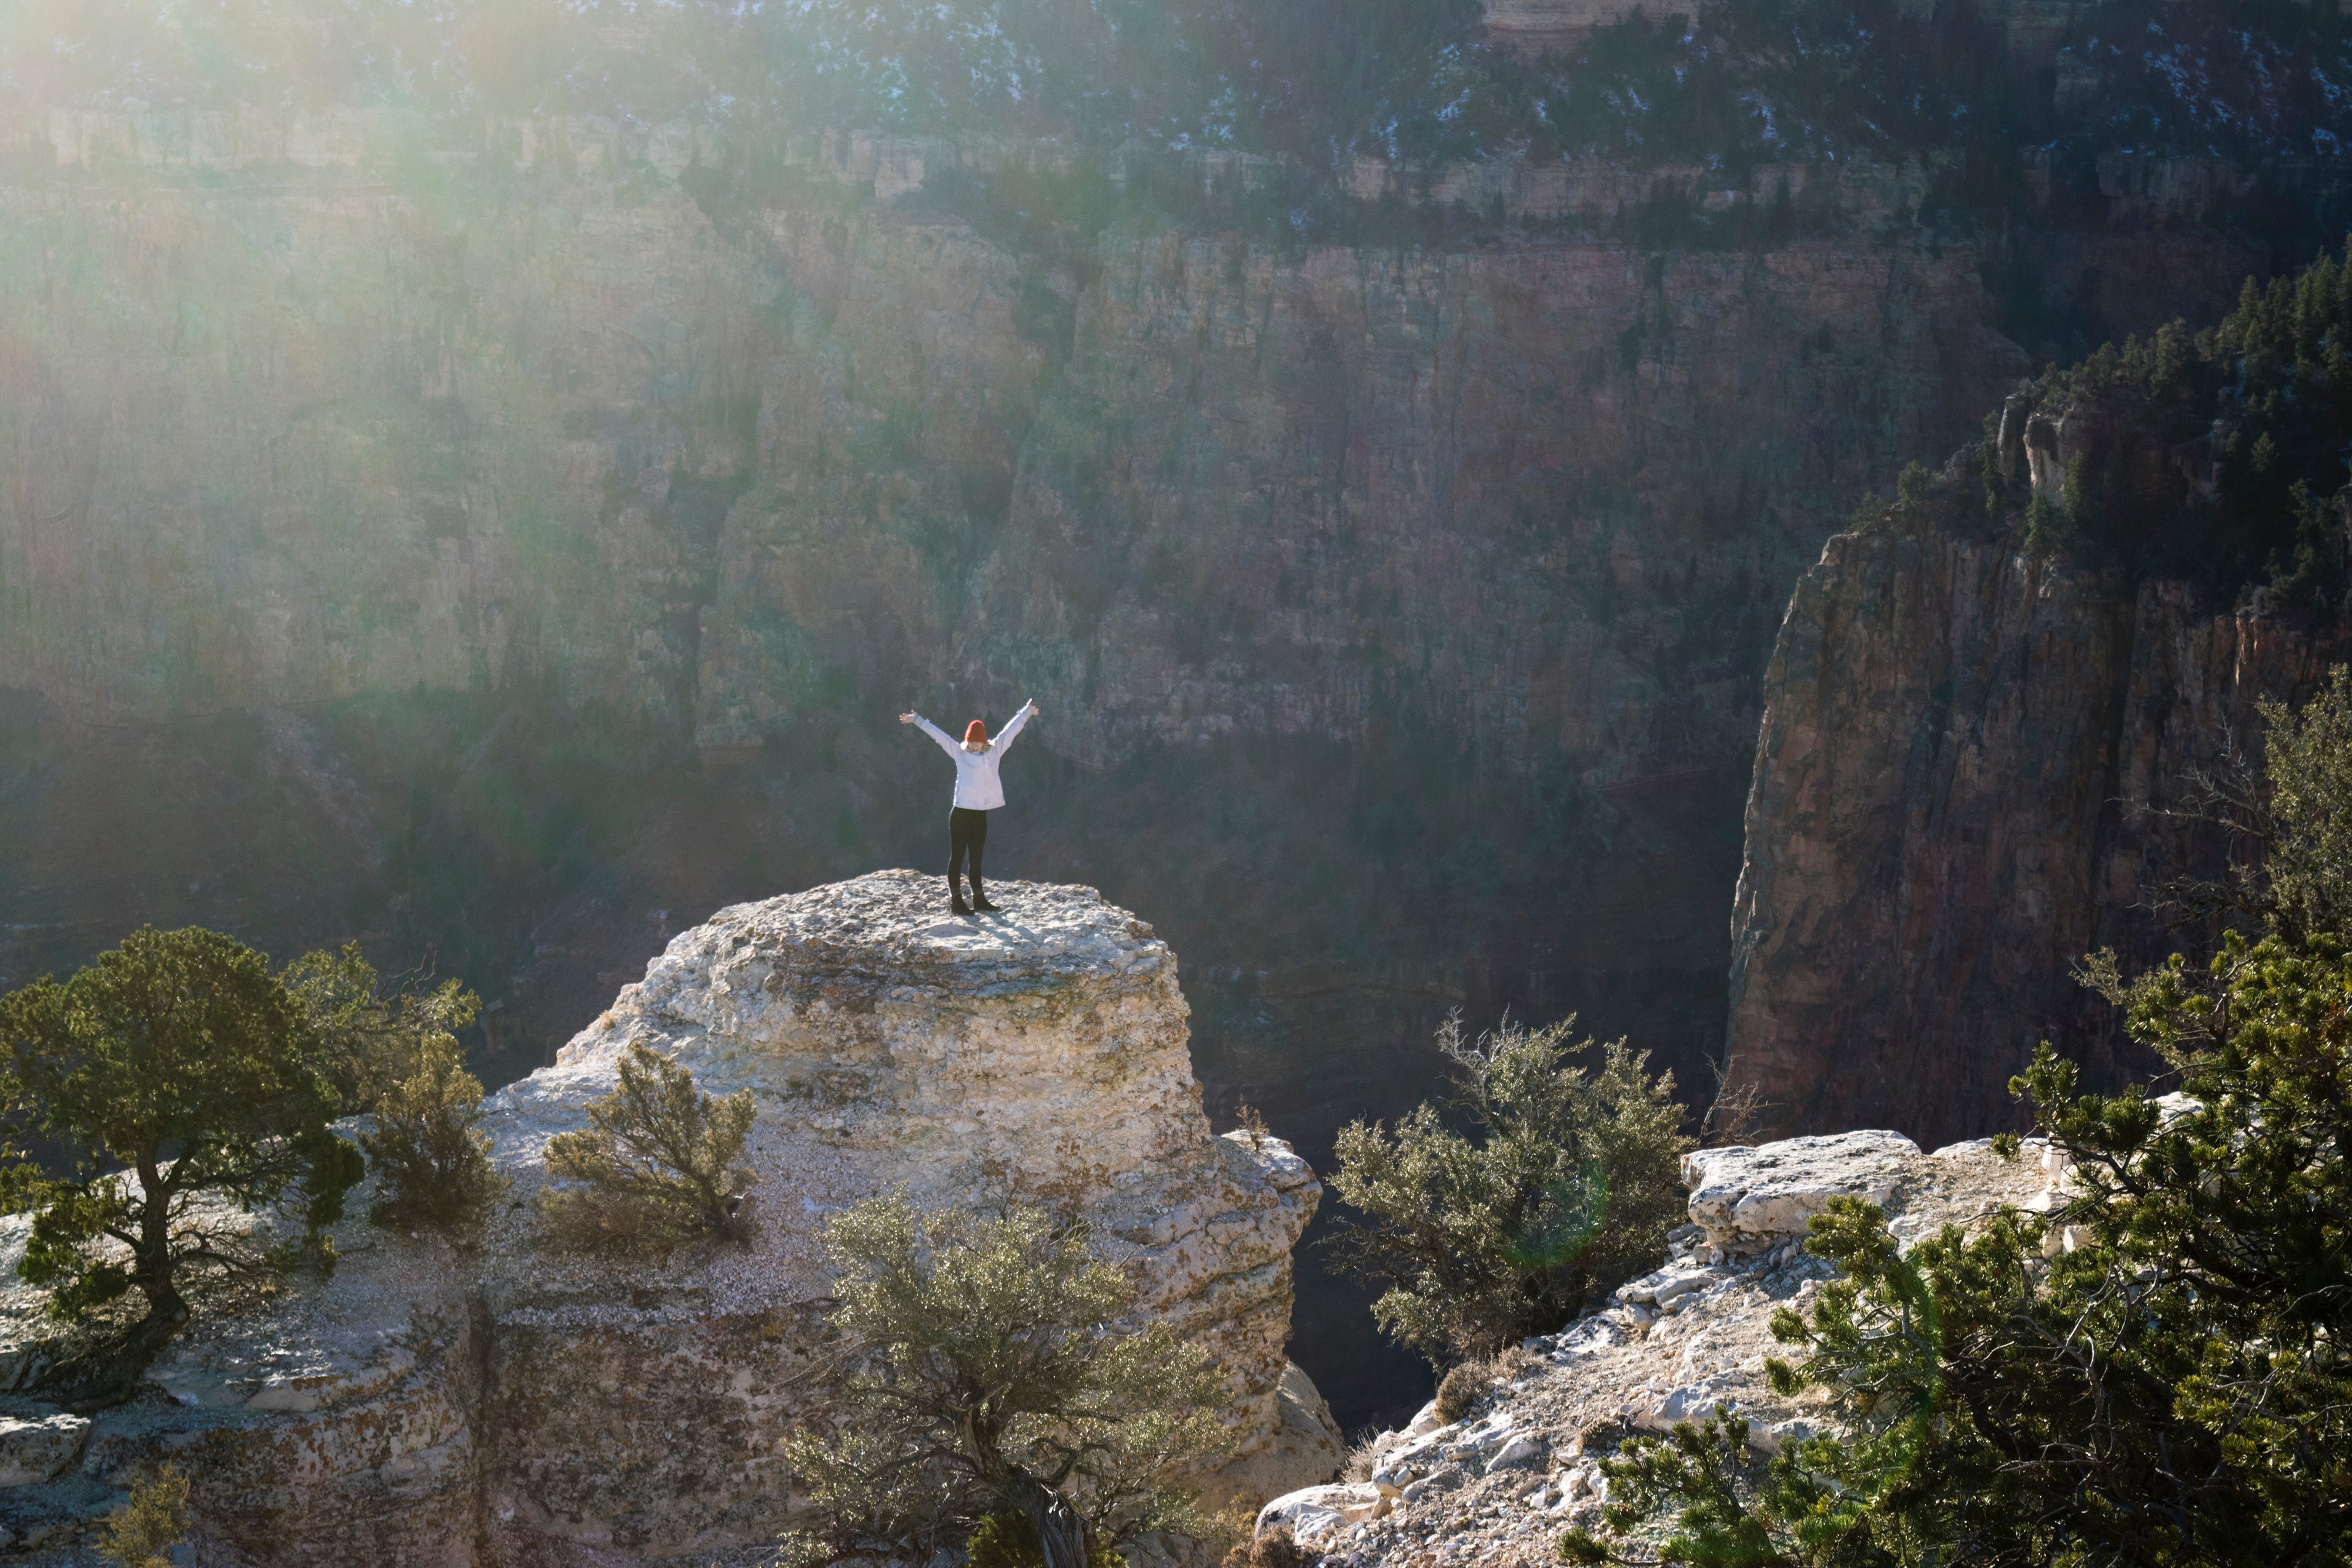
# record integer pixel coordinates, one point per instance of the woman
(977, 792)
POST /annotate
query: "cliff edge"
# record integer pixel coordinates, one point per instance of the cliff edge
(512, 1403)
(1960, 781)
(1501, 1483)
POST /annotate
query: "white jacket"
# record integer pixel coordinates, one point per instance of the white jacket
(977, 787)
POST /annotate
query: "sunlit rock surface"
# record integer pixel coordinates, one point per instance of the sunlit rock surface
(1502, 1483)
(512, 1404)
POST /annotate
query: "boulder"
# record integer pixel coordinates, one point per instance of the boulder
(1315, 1514)
(40, 1447)
(1746, 1198)
(1518, 1454)
(1666, 1284)
(1305, 1451)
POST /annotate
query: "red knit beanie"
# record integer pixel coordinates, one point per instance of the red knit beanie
(975, 734)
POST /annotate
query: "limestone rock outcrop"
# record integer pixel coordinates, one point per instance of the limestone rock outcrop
(511, 1403)
(1745, 1196)
(1959, 750)
(1499, 1485)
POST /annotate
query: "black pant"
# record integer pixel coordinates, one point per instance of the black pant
(967, 830)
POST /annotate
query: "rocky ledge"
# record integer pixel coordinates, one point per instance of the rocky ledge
(509, 1403)
(1499, 1486)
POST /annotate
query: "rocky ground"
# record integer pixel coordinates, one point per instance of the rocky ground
(1499, 1486)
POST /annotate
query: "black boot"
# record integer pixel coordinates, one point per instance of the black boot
(955, 897)
(980, 898)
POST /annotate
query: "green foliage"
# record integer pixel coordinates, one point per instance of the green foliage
(2217, 456)
(2289, 816)
(2150, 1373)
(151, 1522)
(2045, 528)
(2082, 507)
(1565, 1185)
(657, 1166)
(395, 1055)
(432, 1160)
(2306, 865)
(996, 1371)
(371, 1041)
(182, 1081)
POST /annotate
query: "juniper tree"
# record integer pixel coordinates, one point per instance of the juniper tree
(152, 1520)
(180, 1082)
(394, 1055)
(657, 1165)
(370, 1038)
(430, 1156)
(997, 1369)
(1551, 1180)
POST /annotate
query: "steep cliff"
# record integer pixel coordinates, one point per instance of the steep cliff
(1965, 753)
(1987, 709)
(280, 444)
(507, 1403)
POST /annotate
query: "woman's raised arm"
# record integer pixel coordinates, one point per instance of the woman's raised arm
(1020, 721)
(927, 727)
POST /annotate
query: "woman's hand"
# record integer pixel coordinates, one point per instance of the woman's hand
(906, 719)
(1033, 708)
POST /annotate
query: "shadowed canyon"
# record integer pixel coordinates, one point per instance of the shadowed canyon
(504, 536)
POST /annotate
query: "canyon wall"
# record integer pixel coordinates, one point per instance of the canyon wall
(286, 441)
(1965, 756)
(501, 540)
(360, 464)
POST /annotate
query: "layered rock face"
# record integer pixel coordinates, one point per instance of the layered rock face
(1962, 758)
(514, 1404)
(496, 539)
(691, 474)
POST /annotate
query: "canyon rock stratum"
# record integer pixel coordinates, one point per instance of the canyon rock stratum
(507, 1403)
(1977, 765)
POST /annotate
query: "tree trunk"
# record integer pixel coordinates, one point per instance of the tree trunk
(1061, 1533)
(152, 1268)
(154, 1272)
